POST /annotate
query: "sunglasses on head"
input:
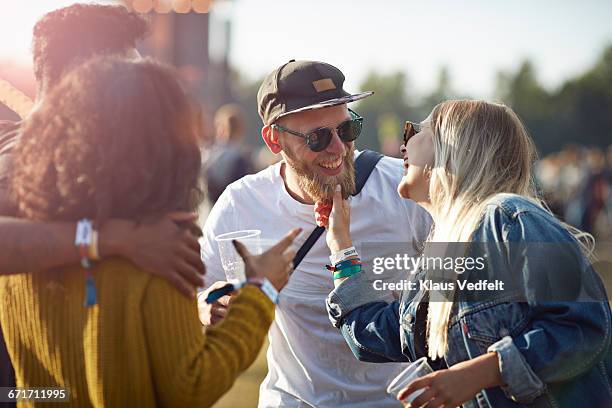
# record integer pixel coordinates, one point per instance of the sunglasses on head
(318, 139)
(411, 129)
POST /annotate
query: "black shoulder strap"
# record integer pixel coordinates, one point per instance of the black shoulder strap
(364, 164)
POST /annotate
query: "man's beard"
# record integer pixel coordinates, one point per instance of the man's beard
(320, 187)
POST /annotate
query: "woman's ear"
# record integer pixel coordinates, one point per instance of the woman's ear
(270, 137)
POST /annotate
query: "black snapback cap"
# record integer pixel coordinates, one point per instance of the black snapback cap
(299, 86)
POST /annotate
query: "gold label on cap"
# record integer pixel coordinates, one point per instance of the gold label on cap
(322, 85)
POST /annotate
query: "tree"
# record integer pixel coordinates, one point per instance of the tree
(383, 110)
(524, 94)
(441, 92)
(584, 105)
(578, 112)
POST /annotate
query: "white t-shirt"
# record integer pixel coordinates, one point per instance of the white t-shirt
(309, 362)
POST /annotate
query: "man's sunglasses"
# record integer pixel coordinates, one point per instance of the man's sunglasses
(318, 139)
(411, 129)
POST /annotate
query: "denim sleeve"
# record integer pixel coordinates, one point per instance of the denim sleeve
(564, 339)
(370, 328)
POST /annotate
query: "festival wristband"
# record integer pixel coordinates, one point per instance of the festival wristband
(342, 255)
(345, 273)
(83, 239)
(347, 263)
(86, 241)
(343, 265)
(263, 284)
(266, 287)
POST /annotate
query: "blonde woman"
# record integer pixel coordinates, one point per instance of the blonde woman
(544, 340)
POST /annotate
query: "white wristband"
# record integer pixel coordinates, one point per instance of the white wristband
(342, 255)
(267, 288)
(84, 232)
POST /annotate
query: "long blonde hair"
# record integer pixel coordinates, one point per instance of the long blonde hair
(481, 149)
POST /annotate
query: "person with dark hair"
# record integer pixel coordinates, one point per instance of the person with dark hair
(117, 139)
(227, 160)
(62, 39)
(70, 35)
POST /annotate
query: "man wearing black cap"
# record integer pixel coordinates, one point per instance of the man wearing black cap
(306, 119)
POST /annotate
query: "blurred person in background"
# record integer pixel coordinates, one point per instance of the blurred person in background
(547, 174)
(595, 192)
(61, 40)
(264, 158)
(116, 138)
(576, 183)
(227, 160)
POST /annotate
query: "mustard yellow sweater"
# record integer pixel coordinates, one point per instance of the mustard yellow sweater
(142, 345)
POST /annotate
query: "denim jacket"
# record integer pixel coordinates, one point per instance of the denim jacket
(552, 353)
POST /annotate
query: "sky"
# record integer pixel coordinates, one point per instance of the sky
(16, 22)
(474, 38)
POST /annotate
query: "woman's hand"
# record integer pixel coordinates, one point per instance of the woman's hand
(161, 247)
(336, 217)
(452, 387)
(275, 264)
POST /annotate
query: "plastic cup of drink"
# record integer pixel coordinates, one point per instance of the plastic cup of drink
(415, 370)
(230, 260)
(261, 245)
(255, 245)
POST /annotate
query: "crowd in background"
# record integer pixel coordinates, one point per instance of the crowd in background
(577, 185)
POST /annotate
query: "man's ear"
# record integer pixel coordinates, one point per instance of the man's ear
(270, 137)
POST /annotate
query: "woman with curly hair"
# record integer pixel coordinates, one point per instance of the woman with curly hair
(117, 139)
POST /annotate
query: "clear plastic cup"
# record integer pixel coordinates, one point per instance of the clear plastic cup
(261, 245)
(415, 370)
(230, 260)
(256, 245)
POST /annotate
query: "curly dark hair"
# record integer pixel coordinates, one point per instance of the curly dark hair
(116, 138)
(65, 37)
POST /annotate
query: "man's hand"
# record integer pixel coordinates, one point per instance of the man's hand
(162, 248)
(211, 314)
(275, 264)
